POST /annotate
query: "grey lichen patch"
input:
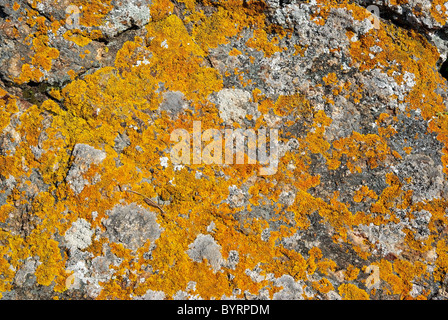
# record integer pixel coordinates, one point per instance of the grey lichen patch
(79, 236)
(79, 277)
(205, 247)
(292, 290)
(188, 293)
(211, 227)
(387, 237)
(121, 142)
(427, 181)
(288, 196)
(83, 156)
(89, 272)
(237, 197)
(257, 274)
(10, 138)
(173, 102)
(265, 234)
(132, 225)
(420, 224)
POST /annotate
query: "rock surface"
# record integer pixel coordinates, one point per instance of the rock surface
(92, 205)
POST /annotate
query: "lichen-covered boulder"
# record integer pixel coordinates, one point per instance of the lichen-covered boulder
(337, 115)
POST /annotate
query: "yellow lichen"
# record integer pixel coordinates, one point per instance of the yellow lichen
(349, 291)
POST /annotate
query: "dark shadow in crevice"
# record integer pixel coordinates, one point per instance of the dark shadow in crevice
(444, 69)
(3, 15)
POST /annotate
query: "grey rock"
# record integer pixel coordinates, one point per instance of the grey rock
(292, 290)
(173, 101)
(121, 142)
(427, 181)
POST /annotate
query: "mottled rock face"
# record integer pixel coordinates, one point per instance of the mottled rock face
(93, 206)
(430, 15)
(427, 17)
(79, 39)
(83, 157)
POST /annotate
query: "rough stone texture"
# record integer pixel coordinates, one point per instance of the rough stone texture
(356, 209)
(415, 13)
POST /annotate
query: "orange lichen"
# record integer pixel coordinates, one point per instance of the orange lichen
(234, 52)
(438, 11)
(77, 38)
(29, 73)
(43, 54)
(351, 273)
(363, 193)
(299, 50)
(331, 78)
(323, 286)
(349, 291)
(261, 42)
(92, 12)
(400, 275)
(408, 150)
(371, 149)
(442, 261)
(125, 99)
